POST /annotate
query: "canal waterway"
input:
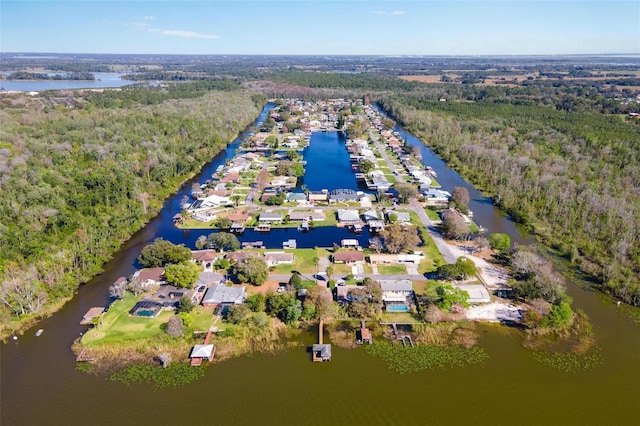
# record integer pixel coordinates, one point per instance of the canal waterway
(40, 386)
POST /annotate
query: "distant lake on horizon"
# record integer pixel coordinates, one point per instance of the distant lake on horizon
(103, 80)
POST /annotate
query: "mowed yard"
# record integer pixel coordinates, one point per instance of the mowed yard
(118, 326)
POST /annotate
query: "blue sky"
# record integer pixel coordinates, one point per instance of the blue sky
(329, 27)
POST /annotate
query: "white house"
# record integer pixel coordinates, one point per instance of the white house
(209, 202)
(275, 258)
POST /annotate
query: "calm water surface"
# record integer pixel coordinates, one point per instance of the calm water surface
(103, 79)
(41, 387)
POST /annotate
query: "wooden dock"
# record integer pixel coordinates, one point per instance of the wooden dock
(321, 352)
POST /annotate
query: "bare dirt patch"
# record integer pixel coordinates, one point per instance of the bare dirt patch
(266, 288)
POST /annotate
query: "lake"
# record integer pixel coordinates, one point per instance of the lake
(41, 386)
(103, 79)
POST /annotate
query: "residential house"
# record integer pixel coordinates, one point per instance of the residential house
(348, 217)
(204, 258)
(342, 293)
(436, 196)
(222, 294)
(150, 276)
(348, 257)
(297, 197)
(343, 195)
(270, 217)
(278, 258)
(402, 217)
(382, 259)
(397, 295)
(231, 177)
(239, 256)
(212, 201)
(317, 196)
(370, 215)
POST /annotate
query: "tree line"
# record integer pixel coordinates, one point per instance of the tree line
(76, 183)
(572, 176)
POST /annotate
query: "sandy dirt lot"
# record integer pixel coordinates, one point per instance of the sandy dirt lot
(267, 287)
(494, 312)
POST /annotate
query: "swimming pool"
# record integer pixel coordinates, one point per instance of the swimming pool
(397, 308)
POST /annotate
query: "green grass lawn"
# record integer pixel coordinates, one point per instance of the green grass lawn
(202, 318)
(433, 214)
(400, 318)
(392, 269)
(432, 256)
(117, 326)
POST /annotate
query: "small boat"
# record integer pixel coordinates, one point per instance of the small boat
(39, 332)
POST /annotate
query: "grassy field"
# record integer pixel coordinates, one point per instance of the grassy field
(399, 318)
(117, 326)
(392, 269)
(432, 256)
(303, 262)
(433, 214)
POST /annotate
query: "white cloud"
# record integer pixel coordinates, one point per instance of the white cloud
(186, 34)
(145, 26)
(379, 12)
(398, 12)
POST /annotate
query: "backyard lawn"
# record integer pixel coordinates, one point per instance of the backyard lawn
(392, 269)
(399, 318)
(118, 326)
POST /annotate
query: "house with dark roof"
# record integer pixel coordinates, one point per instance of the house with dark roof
(343, 195)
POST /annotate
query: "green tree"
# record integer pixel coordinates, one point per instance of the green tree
(559, 316)
(329, 272)
(406, 191)
(461, 270)
(453, 226)
(162, 252)
(185, 305)
(366, 166)
(223, 241)
(499, 241)
(238, 313)
(223, 223)
(183, 274)
(449, 295)
(397, 237)
(256, 302)
(252, 271)
(295, 281)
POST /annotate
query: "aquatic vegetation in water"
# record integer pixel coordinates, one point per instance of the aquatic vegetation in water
(175, 374)
(406, 359)
(570, 362)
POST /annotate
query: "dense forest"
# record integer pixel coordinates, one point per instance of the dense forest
(76, 183)
(573, 176)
